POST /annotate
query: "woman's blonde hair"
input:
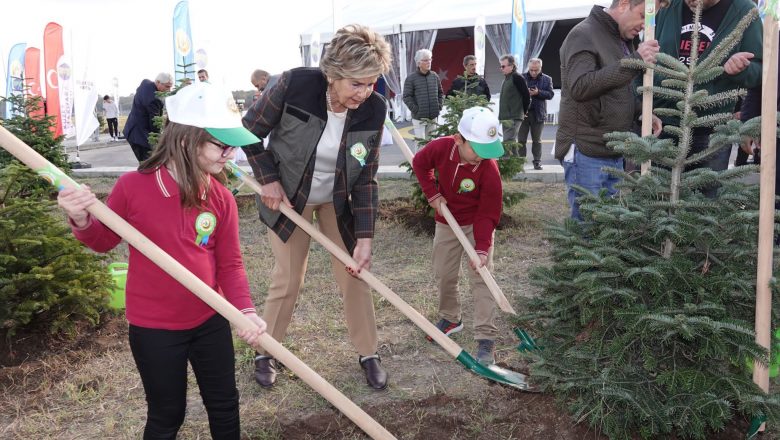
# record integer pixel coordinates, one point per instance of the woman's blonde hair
(356, 51)
(178, 146)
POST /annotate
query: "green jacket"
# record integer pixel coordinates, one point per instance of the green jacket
(667, 32)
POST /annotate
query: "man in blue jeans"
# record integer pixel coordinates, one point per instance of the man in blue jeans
(597, 94)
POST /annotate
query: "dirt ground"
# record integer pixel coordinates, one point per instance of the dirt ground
(88, 388)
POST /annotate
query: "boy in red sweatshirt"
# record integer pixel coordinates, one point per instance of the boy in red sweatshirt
(470, 185)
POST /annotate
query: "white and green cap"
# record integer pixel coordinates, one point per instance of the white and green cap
(481, 128)
(209, 107)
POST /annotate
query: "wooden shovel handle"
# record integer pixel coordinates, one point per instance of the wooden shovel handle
(133, 237)
(495, 290)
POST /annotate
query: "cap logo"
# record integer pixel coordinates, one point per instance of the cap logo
(491, 131)
(232, 106)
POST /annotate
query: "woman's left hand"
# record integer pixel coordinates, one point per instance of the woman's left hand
(361, 255)
(252, 336)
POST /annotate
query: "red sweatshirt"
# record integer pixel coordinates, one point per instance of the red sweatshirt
(473, 192)
(150, 203)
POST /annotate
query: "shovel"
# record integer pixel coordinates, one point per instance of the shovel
(492, 372)
(56, 177)
(498, 295)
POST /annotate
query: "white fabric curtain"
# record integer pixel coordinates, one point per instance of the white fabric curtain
(393, 76)
(538, 32)
(305, 54)
(499, 34)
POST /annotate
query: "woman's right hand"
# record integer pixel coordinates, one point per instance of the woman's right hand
(75, 203)
(273, 195)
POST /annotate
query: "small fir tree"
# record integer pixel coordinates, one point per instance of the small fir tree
(47, 278)
(646, 315)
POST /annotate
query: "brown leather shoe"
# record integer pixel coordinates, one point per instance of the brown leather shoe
(265, 371)
(376, 376)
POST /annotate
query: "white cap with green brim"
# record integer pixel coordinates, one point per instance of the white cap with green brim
(481, 128)
(211, 108)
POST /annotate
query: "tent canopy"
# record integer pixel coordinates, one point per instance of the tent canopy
(413, 15)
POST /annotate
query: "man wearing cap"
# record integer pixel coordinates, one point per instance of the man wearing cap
(598, 95)
(470, 185)
(146, 105)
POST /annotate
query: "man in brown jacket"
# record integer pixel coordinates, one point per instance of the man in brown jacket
(597, 94)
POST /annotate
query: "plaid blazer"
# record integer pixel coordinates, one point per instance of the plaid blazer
(293, 115)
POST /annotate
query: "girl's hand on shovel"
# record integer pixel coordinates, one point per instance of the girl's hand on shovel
(252, 337)
(75, 203)
(361, 255)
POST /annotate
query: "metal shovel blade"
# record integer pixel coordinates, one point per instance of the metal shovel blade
(496, 374)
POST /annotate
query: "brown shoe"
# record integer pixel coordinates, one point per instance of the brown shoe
(376, 376)
(265, 371)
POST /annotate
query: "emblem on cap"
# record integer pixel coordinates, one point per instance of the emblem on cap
(492, 131)
(232, 106)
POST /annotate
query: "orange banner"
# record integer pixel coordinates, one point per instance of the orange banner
(52, 51)
(32, 73)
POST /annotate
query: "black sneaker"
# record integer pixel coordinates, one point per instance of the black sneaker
(447, 327)
(537, 165)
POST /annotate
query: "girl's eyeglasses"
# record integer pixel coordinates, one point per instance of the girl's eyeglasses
(226, 149)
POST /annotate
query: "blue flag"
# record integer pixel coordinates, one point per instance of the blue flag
(183, 54)
(519, 29)
(14, 75)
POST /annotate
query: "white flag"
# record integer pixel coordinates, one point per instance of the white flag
(86, 97)
(479, 44)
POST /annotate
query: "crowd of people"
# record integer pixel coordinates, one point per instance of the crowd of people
(313, 143)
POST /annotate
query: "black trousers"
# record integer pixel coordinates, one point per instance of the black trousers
(535, 127)
(161, 357)
(141, 152)
(113, 127)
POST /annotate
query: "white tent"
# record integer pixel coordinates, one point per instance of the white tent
(414, 15)
(410, 25)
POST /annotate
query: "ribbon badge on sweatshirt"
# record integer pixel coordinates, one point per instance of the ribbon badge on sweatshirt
(204, 226)
(466, 185)
(359, 152)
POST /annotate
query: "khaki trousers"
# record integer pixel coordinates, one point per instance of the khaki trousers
(447, 256)
(287, 278)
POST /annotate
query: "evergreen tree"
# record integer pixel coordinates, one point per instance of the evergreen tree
(47, 278)
(646, 315)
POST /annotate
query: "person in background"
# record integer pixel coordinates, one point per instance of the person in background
(325, 129)
(111, 113)
(423, 94)
(591, 75)
(514, 99)
(175, 201)
(203, 75)
(259, 81)
(470, 83)
(469, 184)
(540, 87)
(146, 105)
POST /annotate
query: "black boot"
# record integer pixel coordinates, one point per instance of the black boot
(376, 376)
(537, 165)
(265, 371)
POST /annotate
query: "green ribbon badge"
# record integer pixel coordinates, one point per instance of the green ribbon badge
(204, 226)
(466, 185)
(359, 152)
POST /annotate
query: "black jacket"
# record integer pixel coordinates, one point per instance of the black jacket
(476, 86)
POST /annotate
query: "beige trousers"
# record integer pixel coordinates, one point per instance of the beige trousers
(287, 278)
(447, 256)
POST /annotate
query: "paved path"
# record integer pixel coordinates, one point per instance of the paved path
(115, 158)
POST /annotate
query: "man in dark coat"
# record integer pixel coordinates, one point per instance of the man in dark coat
(423, 94)
(146, 105)
(540, 88)
(470, 83)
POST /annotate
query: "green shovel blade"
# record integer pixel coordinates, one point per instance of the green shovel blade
(496, 373)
